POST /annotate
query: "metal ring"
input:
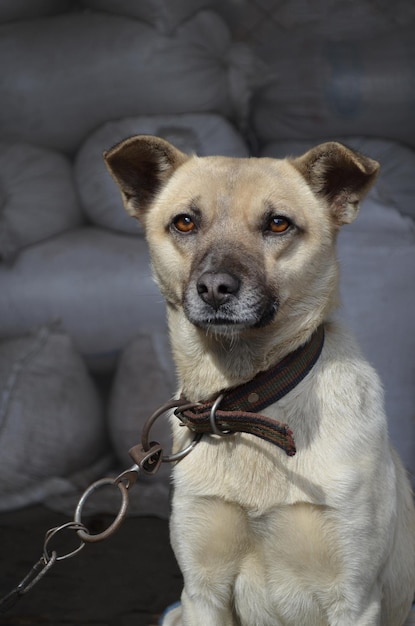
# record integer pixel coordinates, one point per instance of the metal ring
(177, 456)
(54, 531)
(84, 535)
(173, 404)
(212, 418)
(145, 436)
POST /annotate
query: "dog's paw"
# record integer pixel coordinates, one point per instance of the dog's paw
(172, 615)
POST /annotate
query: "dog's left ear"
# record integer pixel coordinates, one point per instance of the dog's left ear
(140, 166)
(339, 174)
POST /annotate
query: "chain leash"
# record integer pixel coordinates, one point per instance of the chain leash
(148, 457)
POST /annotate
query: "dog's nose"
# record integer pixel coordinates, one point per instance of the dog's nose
(215, 288)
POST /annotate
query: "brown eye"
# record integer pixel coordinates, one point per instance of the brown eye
(279, 224)
(184, 223)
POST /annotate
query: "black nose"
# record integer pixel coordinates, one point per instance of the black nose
(216, 288)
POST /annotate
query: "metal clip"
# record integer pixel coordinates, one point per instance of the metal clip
(36, 573)
(129, 476)
(148, 460)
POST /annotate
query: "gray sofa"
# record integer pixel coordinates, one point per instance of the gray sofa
(234, 78)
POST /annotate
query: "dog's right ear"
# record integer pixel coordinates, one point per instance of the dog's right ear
(140, 166)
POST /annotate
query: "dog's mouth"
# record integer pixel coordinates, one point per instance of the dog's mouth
(224, 325)
(231, 324)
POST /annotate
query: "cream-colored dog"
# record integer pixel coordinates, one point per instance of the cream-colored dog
(244, 253)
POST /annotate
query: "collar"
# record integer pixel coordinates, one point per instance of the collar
(240, 406)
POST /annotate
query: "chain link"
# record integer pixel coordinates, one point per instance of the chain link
(148, 458)
(52, 532)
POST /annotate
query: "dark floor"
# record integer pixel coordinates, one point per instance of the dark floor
(126, 580)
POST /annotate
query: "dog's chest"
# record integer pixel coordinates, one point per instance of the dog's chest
(249, 472)
(253, 473)
(292, 564)
(278, 563)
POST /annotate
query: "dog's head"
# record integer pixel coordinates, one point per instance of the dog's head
(240, 244)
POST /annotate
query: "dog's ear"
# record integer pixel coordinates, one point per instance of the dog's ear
(140, 166)
(340, 175)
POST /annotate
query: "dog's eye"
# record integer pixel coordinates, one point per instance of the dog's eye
(184, 223)
(278, 224)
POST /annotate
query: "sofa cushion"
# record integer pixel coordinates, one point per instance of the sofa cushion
(37, 196)
(165, 15)
(96, 284)
(11, 10)
(326, 86)
(203, 134)
(51, 419)
(144, 380)
(68, 74)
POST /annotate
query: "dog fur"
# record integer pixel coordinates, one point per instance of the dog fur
(243, 251)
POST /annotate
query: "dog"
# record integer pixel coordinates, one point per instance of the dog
(317, 529)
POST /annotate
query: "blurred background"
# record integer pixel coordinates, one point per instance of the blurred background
(84, 353)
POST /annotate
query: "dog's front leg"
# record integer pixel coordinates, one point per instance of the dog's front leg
(199, 610)
(192, 612)
(209, 539)
(364, 546)
(347, 614)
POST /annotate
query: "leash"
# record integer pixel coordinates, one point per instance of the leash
(238, 413)
(147, 458)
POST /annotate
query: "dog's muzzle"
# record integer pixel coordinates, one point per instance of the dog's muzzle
(221, 300)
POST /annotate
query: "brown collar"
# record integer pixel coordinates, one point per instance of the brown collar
(239, 406)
